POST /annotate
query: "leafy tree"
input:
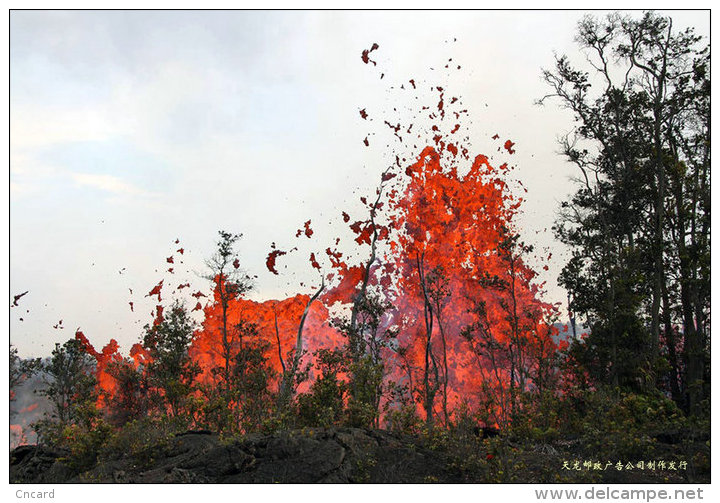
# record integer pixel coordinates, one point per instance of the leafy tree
(251, 380)
(229, 283)
(20, 370)
(324, 404)
(639, 223)
(70, 386)
(368, 336)
(131, 400)
(368, 339)
(170, 372)
(70, 383)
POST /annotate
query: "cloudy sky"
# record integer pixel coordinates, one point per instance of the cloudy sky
(130, 130)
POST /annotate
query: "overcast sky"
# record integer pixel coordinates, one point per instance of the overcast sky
(130, 130)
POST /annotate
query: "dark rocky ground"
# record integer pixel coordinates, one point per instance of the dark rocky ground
(303, 456)
(333, 455)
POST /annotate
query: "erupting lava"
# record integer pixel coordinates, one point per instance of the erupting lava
(442, 253)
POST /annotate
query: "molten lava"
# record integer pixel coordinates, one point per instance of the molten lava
(441, 250)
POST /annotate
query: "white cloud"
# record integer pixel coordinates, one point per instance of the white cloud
(107, 183)
(34, 125)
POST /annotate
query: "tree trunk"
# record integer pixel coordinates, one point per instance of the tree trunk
(286, 388)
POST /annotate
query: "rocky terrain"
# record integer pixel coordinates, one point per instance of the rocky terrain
(324, 455)
(303, 456)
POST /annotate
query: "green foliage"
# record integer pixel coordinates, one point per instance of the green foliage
(324, 404)
(503, 463)
(367, 343)
(610, 423)
(638, 224)
(215, 412)
(615, 353)
(83, 438)
(69, 382)
(404, 420)
(366, 390)
(538, 418)
(349, 381)
(252, 378)
(363, 469)
(170, 373)
(140, 439)
(245, 402)
(20, 369)
(400, 411)
(229, 280)
(130, 400)
(229, 283)
(74, 423)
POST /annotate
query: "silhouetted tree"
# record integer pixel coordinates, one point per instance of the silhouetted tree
(69, 379)
(20, 369)
(131, 399)
(170, 372)
(70, 389)
(639, 223)
(230, 282)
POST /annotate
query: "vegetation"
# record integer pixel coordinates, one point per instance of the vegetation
(20, 370)
(445, 339)
(639, 222)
